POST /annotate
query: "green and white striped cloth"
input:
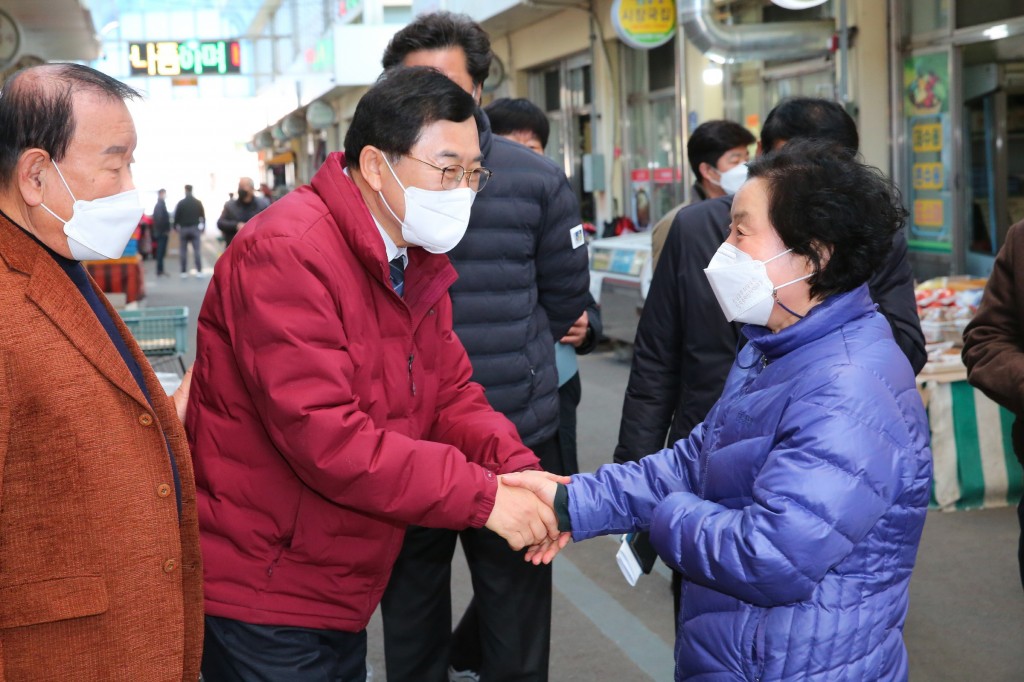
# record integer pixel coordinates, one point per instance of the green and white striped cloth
(975, 466)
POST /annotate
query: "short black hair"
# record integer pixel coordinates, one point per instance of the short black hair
(442, 30)
(392, 114)
(711, 139)
(37, 109)
(809, 117)
(517, 115)
(822, 199)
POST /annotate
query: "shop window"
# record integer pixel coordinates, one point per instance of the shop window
(552, 91)
(975, 13)
(926, 16)
(661, 66)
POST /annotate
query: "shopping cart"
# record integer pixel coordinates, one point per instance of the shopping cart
(161, 333)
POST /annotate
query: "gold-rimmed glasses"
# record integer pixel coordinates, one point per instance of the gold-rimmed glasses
(451, 176)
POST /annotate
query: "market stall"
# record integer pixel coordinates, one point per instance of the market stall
(975, 466)
(123, 275)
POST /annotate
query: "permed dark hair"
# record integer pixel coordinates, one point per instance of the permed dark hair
(393, 113)
(711, 139)
(809, 117)
(821, 200)
(438, 31)
(36, 109)
(517, 115)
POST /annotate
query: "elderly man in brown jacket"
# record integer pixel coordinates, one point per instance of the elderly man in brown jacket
(100, 575)
(994, 345)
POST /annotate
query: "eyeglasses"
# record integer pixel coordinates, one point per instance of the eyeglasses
(451, 176)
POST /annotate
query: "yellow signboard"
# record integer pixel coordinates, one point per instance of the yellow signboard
(644, 24)
(927, 137)
(929, 213)
(929, 176)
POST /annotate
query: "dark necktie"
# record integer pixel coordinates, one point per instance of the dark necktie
(398, 275)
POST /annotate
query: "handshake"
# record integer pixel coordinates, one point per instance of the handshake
(524, 515)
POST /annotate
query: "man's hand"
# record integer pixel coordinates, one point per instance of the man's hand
(521, 518)
(577, 334)
(543, 484)
(241, 224)
(180, 396)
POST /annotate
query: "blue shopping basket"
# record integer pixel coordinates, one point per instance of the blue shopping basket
(161, 332)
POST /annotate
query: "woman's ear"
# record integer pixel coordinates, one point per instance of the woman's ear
(824, 252)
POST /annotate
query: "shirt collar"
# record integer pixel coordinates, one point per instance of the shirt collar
(393, 250)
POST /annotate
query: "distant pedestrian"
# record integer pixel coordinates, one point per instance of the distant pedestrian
(190, 221)
(161, 230)
(240, 210)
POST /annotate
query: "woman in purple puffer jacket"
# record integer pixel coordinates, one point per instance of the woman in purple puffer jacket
(794, 512)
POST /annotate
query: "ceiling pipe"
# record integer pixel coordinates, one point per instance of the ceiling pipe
(752, 42)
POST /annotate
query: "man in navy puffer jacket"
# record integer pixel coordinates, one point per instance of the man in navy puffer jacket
(523, 281)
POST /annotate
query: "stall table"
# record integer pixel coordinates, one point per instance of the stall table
(975, 466)
(120, 276)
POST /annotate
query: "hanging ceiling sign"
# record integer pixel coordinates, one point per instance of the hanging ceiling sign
(644, 24)
(191, 57)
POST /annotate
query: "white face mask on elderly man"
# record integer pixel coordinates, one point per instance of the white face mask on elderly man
(100, 229)
(742, 286)
(435, 220)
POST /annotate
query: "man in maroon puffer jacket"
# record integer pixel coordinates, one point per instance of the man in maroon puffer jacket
(331, 403)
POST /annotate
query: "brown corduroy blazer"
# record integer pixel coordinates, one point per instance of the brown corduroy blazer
(99, 578)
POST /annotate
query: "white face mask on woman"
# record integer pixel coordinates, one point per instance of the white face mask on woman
(435, 220)
(742, 286)
(100, 229)
(731, 180)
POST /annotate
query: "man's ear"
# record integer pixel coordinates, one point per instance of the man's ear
(31, 174)
(760, 148)
(371, 167)
(705, 172)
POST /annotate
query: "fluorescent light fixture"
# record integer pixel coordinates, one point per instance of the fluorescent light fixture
(996, 32)
(713, 75)
(716, 58)
(798, 4)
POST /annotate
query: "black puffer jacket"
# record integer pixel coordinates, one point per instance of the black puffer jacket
(684, 347)
(521, 283)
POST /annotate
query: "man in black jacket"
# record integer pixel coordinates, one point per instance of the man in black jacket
(190, 221)
(240, 210)
(523, 281)
(161, 230)
(684, 346)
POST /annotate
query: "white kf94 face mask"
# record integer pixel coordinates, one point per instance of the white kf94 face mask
(434, 220)
(731, 180)
(742, 286)
(100, 229)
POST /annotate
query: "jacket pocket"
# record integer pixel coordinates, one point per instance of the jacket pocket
(47, 601)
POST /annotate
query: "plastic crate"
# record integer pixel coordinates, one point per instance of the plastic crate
(159, 331)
